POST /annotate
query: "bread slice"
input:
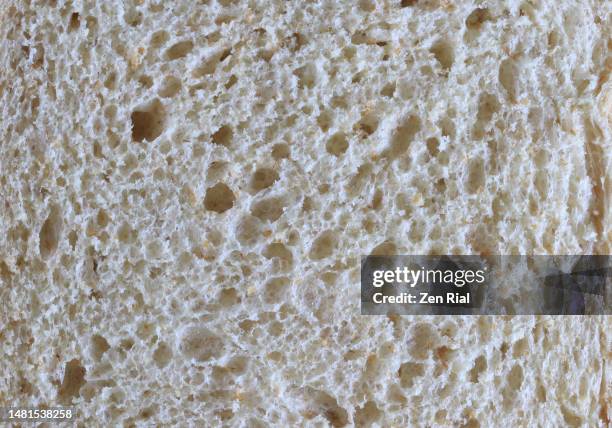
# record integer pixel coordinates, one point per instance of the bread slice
(187, 188)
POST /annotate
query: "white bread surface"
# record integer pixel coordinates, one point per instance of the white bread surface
(186, 189)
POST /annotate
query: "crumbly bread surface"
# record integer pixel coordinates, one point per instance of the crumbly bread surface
(186, 189)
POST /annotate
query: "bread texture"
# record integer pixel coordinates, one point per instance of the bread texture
(186, 189)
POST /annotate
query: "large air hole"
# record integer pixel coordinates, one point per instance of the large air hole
(148, 122)
(162, 355)
(228, 297)
(280, 251)
(209, 65)
(367, 5)
(179, 50)
(216, 170)
(388, 90)
(275, 290)
(159, 38)
(541, 183)
(480, 365)
(268, 209)
(146, 81)
(424, 340)
(227, 3)
(474, 23)
(444, 355)
(488, 105)
(99, 346)
(403, 136)
(324, 120)
(367, 415)
(111, 81)
(281, 151)
(409, 372)
(201, 344)
(75, 22)
(520, 348)
(377, 200)
(571, 419)
(337, 144)
(387, 248)
(248, 230)
(515, 377)
(219, 198)
(476, 176)
(50, 232)
(324, 245)
(358, 181)
(508, 77)
(443, 52)
(321, 403)
(368, 124)
(74, 379)
(540, 391)
(477, 17)
(133, 17)
(126, 234)
(223, 136)
(237, 365)
(263, 178)
(432, 146)
(480, 240)
(170, 87)
(102, 218)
